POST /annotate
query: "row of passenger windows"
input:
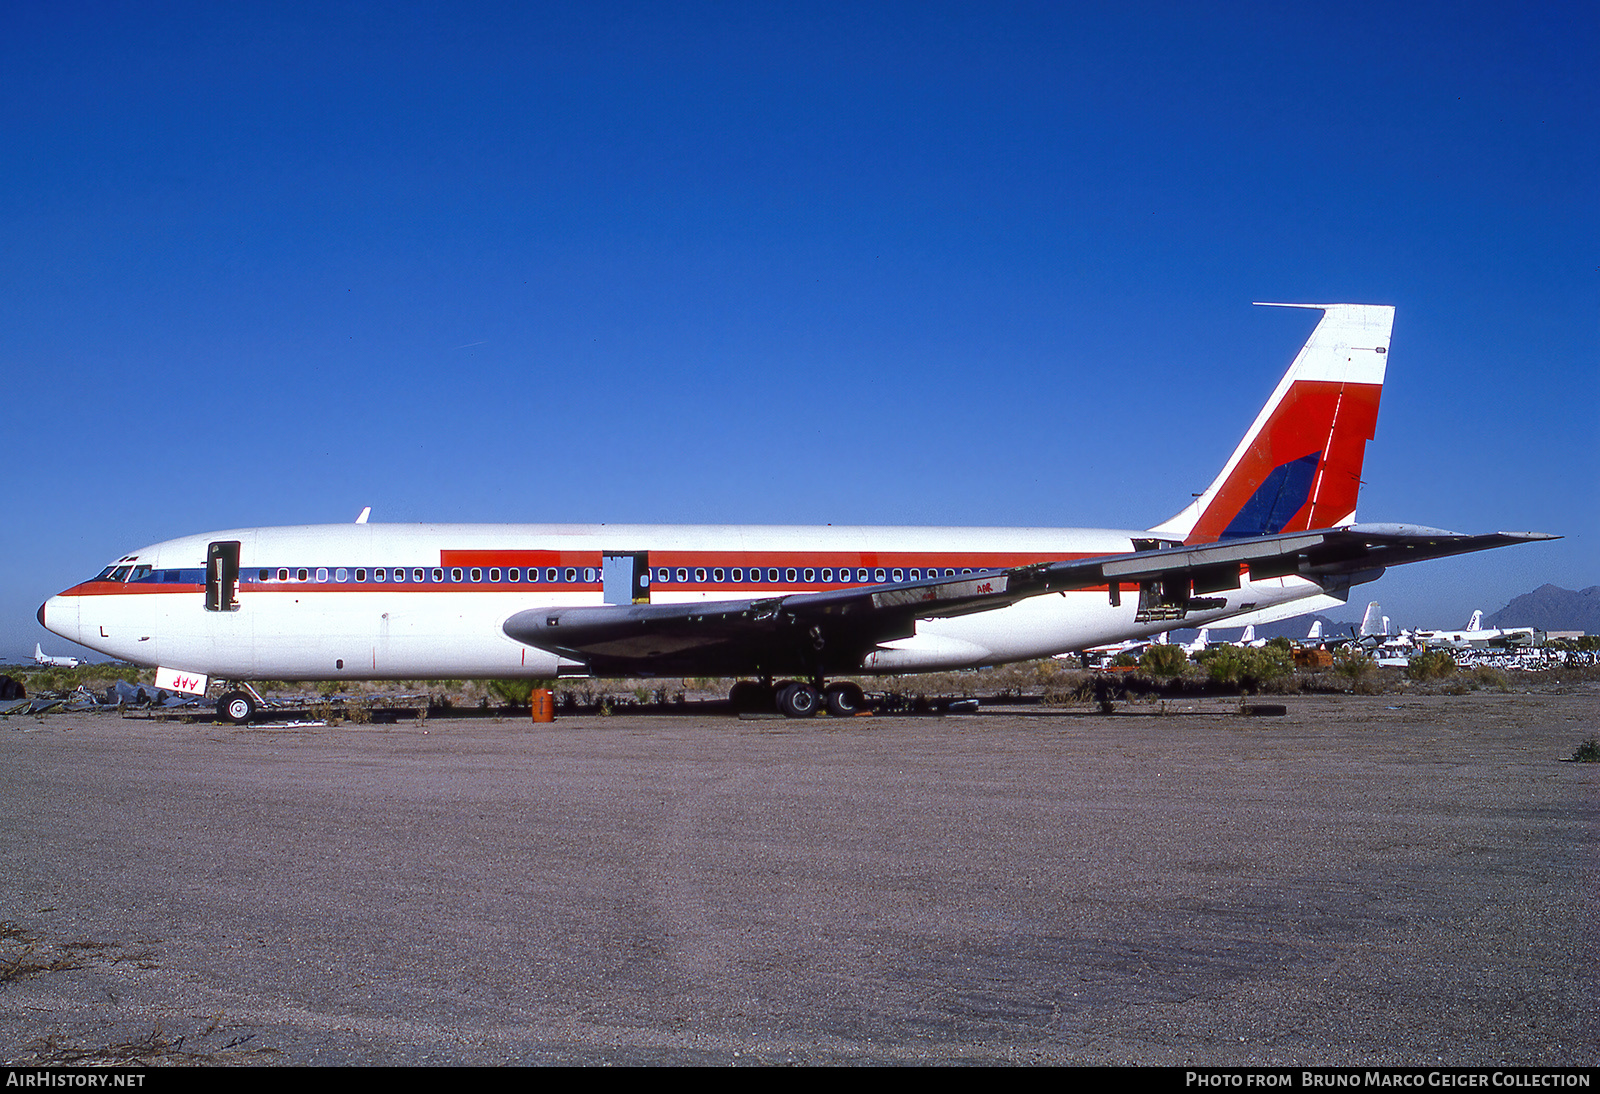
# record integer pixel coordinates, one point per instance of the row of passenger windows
(436, 575)
(789, 575)
(551, 575)
(589, 575)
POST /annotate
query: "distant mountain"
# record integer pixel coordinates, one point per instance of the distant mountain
(1550, 608)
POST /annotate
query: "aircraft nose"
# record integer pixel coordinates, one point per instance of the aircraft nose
(59, 615)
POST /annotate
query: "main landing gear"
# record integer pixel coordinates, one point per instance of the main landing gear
(798, 699)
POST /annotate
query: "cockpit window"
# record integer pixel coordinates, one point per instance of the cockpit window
(120, 573)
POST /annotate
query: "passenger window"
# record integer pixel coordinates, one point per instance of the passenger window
(455, 573)
(700, 575)
(899, 575)
(438, 574)
(341, 574)
(263, 575)
(477, 575)
(514, 574)
(377, 575)
(361, 575)
(716, 575)
(572, 574)
(322, 573)
(738, 573)
(879, 575)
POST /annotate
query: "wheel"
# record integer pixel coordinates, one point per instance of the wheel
(845, 700)
(799, 701)
(747, 696)
(236, 707)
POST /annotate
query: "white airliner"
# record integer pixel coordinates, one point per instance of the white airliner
(42, 658)
(1475, 636)
(1270, 538)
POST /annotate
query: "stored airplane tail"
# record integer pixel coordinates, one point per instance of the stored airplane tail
(1373, 622)
(1299, 466)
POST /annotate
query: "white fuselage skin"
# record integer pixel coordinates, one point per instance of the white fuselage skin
(310, 603)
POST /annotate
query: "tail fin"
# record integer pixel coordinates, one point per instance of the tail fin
(1299, 466)
(1372, 623)
(1476, 622)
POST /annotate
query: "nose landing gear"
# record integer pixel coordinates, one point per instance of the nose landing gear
(240, 704)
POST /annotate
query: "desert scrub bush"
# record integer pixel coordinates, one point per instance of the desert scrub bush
(1231, 666)
(1353, 663)
(1486, 676)
(513, 693)
(1165, 662)
(1430, 665)
(1588, 752)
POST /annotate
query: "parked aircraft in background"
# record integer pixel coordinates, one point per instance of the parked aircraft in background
(1476, 636)
(1374, 624)
(1248, 639)
(789, 607)
(53, 662)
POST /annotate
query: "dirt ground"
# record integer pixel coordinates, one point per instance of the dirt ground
(1365, 880)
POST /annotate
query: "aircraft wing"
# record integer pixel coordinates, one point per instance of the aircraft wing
(833, 630)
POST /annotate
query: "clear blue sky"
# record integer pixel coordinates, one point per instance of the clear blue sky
(740, 263)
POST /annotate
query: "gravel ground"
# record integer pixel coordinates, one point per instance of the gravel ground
(1363, 881)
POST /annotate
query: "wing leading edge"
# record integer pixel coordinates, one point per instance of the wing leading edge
(833, 631)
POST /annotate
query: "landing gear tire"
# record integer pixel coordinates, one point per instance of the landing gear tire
(236, 707)
(747, 697)
(799, 701)
(845, 700)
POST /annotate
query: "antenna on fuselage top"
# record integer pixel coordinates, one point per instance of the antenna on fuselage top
(365, 513)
